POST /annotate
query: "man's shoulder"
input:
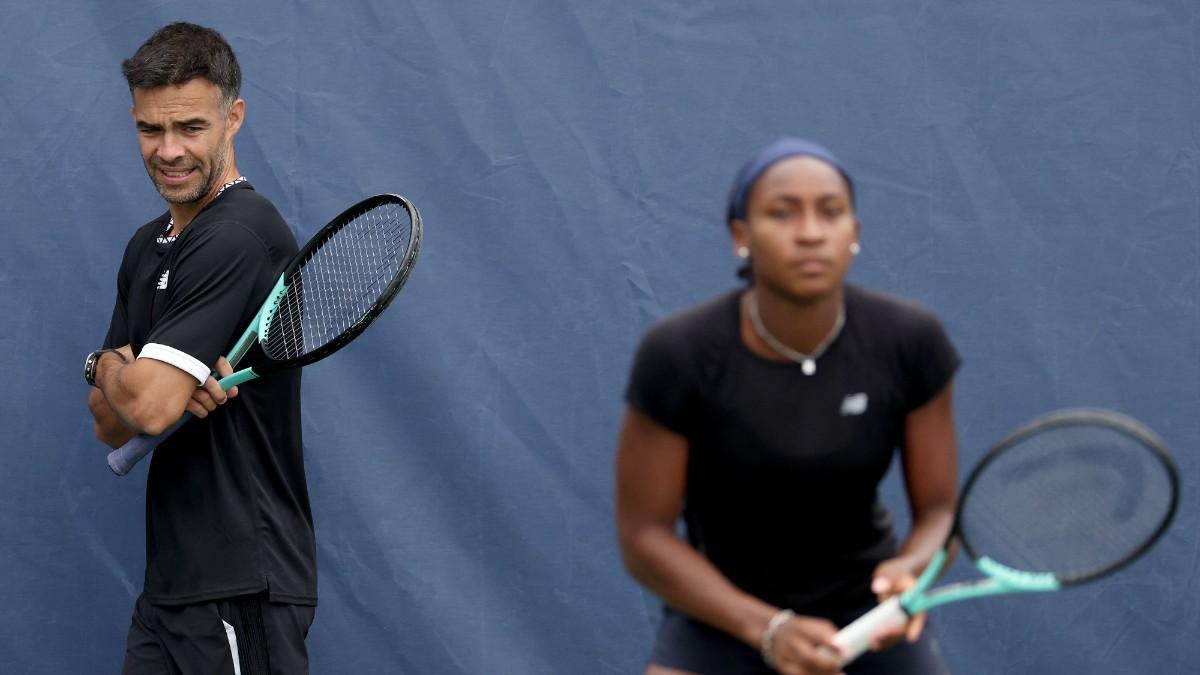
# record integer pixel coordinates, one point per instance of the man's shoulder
(244, 205)
(151, 230)
(243, 212)
(145, 237)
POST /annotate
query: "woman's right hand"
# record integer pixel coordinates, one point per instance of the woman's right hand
(804, 646)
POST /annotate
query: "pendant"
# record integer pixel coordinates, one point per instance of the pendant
(808, 366)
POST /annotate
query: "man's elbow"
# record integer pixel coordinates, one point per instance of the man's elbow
(106, 426)
(155, 420)
(109, 437)
(143, 397)
(152, 415)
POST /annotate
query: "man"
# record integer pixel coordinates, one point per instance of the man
(230, 582)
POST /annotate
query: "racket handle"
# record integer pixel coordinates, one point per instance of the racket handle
(855, 638)
(122, 460)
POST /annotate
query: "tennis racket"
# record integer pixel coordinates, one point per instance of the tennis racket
(340, 282)
(1066, 499)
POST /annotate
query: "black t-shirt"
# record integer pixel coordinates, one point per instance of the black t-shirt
(783, 468)
(227, 508)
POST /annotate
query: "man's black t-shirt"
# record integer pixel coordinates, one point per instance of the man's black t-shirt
(227, 510)
(783, 468)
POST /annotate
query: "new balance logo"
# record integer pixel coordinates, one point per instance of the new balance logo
(854, 404)
(162, 281)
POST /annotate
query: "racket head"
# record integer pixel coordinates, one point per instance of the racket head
(340, 281)
(1079, 494)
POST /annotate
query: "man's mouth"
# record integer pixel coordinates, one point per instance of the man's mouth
(175, 175)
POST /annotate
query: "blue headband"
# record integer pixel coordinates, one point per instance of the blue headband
(760, 162)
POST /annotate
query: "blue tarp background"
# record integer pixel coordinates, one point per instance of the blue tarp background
(1027, 169)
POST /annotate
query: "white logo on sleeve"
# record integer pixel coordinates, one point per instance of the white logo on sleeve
(162, 281)
(854, 404)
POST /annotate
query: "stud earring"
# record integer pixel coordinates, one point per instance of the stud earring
(743, 252)
(855, 249)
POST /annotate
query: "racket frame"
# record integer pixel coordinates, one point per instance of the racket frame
(260, 326)
(998, 579)
(1064, 418)
(381, 303)
(854, 639)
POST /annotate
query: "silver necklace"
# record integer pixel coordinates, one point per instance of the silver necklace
(166, 237)
(808, 362)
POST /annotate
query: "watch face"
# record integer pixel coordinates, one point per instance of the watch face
(89, 367)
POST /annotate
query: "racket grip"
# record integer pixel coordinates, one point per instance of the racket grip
(123, 459)
(855, 638)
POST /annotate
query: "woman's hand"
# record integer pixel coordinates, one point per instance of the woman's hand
(891, 578)
(803, 646)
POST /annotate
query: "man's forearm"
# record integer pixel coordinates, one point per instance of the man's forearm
(109, 428)
(140, 393)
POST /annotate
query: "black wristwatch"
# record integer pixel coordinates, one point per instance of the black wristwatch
(89, 364)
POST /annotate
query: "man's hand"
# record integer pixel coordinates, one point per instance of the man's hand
(126, 353)
(209, 396)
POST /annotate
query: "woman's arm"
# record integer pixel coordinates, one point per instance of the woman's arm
(651, 476)
(930, 462)
(930, 459)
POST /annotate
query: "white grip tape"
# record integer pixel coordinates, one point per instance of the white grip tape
(855, 638)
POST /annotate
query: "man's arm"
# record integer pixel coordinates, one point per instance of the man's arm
(212, 284)
(108, 427)
(148, 396)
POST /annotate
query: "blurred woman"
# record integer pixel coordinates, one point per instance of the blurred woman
(766, 417)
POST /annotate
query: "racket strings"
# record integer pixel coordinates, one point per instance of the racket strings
(1072, 501)
(339, 282)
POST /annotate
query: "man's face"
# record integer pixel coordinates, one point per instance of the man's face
(186, 137)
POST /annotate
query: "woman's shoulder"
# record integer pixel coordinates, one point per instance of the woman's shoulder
(702, 322)
(891, 310)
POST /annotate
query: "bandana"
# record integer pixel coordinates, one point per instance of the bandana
(768, 156)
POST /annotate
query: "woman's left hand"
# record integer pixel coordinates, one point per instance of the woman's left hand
(893, 577)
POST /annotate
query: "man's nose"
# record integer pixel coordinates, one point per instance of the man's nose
(170, 149)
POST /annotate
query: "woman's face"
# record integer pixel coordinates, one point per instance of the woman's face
(799, 225)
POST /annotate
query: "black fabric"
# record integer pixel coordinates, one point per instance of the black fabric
(783, 468)
(691, 646)
(195, 640)
(245, 615)
(227, 509)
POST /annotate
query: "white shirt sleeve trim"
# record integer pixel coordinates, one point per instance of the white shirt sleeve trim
(180, 360)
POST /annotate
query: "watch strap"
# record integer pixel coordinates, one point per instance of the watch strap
(92, 361)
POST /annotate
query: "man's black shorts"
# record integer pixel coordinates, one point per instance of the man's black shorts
(246, 635)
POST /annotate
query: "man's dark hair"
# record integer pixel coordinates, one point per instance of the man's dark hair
(180, 52)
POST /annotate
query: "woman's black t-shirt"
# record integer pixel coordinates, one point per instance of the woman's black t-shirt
(783, 467)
